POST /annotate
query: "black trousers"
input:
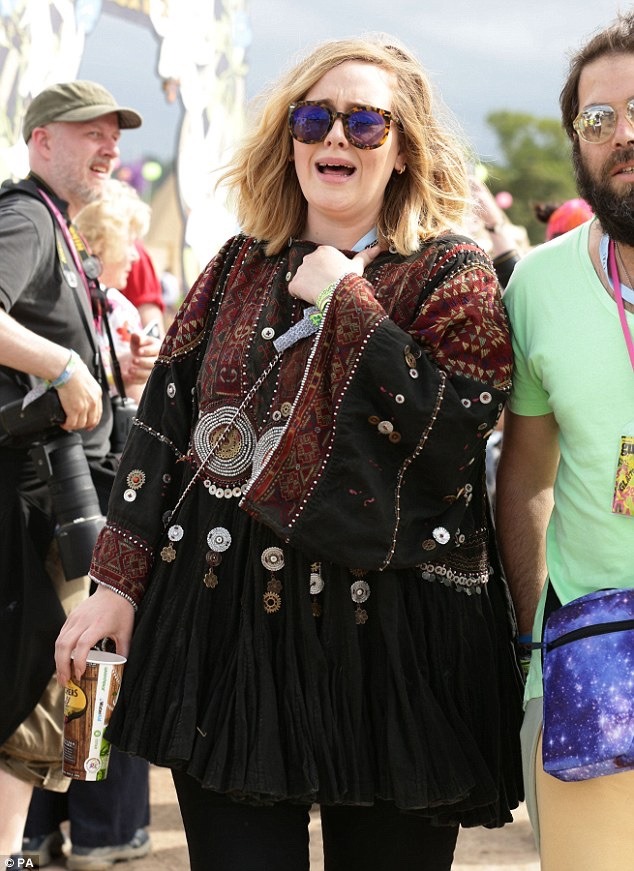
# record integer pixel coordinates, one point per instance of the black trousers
(223, 835)
(106, 813)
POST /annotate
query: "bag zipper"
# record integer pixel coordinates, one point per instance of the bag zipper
(591, 631)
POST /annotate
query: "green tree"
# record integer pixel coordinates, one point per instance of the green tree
(536, 166)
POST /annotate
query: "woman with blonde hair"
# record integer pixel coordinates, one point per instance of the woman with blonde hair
(112, 226)
(299, 532)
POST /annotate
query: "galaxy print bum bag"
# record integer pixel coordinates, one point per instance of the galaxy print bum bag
(588, 668)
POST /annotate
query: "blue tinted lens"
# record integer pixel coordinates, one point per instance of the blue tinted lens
(310, 123)
(366, 127)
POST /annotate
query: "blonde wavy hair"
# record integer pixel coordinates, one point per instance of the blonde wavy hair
(110, 223)
(430, 197)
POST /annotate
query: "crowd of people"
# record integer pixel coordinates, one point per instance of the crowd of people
(326, 589)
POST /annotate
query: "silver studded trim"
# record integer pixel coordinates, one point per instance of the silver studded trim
(265, 447)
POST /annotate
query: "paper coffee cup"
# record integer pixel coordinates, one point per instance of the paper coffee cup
(88, 705)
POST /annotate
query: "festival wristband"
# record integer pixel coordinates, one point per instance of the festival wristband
(323, 298)
(66, 374)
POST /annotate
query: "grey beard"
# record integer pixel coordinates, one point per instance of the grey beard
(614, 211)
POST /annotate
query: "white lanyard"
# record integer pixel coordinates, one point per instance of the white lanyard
(628, 292)
(616, 284)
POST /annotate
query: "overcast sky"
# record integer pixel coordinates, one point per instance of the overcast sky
(483, 55)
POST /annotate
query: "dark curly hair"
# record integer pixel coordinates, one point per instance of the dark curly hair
(617, 38)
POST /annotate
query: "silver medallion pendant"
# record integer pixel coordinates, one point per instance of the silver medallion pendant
(224, 443)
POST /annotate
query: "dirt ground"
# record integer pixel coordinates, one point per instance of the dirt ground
(507, 849)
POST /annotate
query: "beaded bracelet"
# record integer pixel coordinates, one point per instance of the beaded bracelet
(67, 373)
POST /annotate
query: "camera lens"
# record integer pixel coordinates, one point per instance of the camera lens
(62, 464)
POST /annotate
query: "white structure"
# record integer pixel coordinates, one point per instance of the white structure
(201, 57)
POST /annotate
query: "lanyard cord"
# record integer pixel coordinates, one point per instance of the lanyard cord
(84, 265)
(70, 241)
(616, 284)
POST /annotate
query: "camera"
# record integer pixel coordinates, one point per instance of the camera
(61, 463)
(123, 413)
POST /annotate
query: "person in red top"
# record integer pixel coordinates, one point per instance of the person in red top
(143, 289)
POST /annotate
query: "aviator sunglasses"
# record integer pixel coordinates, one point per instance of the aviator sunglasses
(597, 123)
(364, 126)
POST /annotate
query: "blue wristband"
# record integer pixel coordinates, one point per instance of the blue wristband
(524, 640)
(66, 374)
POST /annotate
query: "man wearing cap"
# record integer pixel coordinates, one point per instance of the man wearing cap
(47, 340)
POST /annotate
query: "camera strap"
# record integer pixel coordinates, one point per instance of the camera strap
(101, 298)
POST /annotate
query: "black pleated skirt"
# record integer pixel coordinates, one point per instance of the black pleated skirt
(419, 704)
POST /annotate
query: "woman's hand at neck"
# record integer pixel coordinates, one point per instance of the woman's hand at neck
(324, 266)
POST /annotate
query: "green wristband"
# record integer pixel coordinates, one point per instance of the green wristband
(325, 295)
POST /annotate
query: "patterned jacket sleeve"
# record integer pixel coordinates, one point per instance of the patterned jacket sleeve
(154, 462)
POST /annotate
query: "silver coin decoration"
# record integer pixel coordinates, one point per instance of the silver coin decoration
(273, 559)
(175, 532)
(135, 479)
(219, 539)
(316, 583)
(360, 591)
(441, 535)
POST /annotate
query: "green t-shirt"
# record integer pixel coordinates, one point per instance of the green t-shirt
(571, 359)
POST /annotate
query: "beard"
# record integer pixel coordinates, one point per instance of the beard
(615, 211)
